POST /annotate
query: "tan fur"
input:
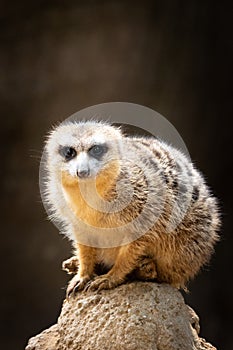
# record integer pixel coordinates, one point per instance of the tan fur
(78, 204)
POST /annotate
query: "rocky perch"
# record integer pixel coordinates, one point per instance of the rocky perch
(134, 316)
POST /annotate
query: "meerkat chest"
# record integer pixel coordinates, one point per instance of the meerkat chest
(87, 201)
(107, 256)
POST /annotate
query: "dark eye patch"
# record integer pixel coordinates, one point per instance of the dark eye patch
(97, 151)
(67, 152)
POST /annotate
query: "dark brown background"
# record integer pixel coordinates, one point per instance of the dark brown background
(58, 57)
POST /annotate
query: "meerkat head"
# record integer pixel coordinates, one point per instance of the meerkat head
(83, 149)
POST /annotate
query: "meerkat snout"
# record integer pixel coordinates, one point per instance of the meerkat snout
(83, 173)
(83, 164)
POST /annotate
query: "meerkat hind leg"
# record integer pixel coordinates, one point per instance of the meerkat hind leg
(146, 269)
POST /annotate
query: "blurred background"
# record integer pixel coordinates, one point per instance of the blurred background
(57, 57)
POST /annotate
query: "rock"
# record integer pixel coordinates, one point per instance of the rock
(134, 316)
(48, 340)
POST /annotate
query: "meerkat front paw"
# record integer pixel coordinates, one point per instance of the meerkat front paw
(71, 265)
(102, 282)
(77, 284)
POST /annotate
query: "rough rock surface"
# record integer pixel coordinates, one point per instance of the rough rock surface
(134, 316)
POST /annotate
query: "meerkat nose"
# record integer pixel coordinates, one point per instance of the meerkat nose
(83, 173)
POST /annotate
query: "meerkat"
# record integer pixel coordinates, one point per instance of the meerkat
(132, 206)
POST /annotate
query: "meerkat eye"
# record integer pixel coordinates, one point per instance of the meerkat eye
(67, 152)
(97, 151)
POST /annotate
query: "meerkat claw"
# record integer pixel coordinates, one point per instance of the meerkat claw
(76, 285)
(101, 282)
